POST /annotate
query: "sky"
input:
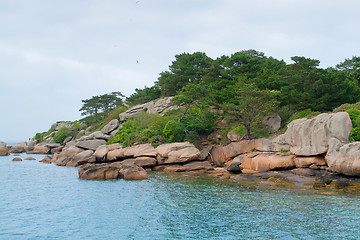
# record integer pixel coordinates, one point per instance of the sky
(53, 54)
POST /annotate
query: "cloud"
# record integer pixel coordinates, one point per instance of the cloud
(53, 54)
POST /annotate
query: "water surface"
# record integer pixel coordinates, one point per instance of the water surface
(42, 201)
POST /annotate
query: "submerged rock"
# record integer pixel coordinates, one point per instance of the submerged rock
(17, 159)
(46, 159)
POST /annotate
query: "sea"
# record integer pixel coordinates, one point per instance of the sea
(44, 201)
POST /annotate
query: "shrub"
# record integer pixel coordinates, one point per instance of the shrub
(60, 135)
(240, 130)
(354, 116)
(147, 128)
(39, 137)
(355, 134)
(173, 131)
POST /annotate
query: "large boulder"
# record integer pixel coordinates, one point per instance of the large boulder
(99, 172)
(305, 162)
(145, 162)
(310, 137)
(39, 149)
(90, 144)
(141, 150)
(4, 151)
(267, 161)
(133, 172)
(100, 135)
(177, 153)
(272, 123)
(30, 146)
(160, 106)
(100, 153)
(61, 159)
(344, 159)
(111, 126)
(104, 171)
(116, 155)
(82, 158)
(165, 149)
(222, 154)
(19, 147)
(2, 144)
(132, 112)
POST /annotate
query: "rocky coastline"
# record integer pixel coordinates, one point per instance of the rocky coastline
(314, 152)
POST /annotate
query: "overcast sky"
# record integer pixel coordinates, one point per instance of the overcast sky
(53, 54)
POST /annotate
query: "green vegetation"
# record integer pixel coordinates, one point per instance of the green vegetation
(103, 103)
(146, 128)
(229, 93)
(355, 119)
(156, 129)
(143, 95)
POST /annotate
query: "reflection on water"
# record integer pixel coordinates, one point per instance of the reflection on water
(40, 201)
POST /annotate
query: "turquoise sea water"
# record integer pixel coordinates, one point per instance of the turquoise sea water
(41, 201)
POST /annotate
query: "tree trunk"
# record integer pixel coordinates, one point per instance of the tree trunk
(183, 115)
(248, 131)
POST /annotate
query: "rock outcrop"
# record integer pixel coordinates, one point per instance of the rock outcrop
(222, 154)
(39, 149)
(81, 158)
(177, 153)
(4, 151)
(103, 172)
(92, 144)
(2, 144)
(345, 159)
(46, 159)
(267, 161)
(62, 158)
(19, 148)
(310, 137)
(160, 106)
(272, 123)
(110, 127)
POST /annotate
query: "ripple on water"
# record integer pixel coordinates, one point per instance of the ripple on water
(41, 201)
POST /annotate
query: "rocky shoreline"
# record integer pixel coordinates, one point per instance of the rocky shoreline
(312, 152)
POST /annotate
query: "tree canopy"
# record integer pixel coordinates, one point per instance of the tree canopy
(102, 103)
